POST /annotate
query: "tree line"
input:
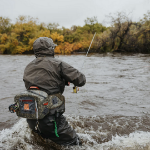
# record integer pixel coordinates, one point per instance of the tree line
(123, 35)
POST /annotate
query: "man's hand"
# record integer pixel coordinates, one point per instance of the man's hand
(67, 83)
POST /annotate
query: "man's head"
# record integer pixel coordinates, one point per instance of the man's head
(44, 46)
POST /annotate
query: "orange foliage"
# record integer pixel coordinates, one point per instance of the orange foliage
(77, 46)
(68, 48)
(65, 48)
(58, 49)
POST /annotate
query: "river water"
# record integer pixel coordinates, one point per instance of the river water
(111, 112)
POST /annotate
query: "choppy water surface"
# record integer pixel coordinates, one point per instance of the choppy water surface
(112, 111)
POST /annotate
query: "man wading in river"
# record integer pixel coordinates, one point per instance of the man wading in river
(51, 75)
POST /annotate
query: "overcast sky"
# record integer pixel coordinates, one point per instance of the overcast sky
(72, 12)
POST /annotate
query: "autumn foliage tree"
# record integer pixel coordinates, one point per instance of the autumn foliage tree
(122, 35)
(125, 36)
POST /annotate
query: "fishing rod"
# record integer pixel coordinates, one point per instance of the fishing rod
(89, 49)
(75, 88)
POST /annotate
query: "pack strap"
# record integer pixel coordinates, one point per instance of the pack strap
(56, 133)
(36, 93)
(37, 122)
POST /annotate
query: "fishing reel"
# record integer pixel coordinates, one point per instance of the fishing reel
(75, 89)
(13, 108)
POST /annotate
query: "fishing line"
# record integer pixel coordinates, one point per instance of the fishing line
(75, 88)
(75, 91)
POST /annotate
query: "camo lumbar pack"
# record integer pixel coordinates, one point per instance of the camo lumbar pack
(36, 104)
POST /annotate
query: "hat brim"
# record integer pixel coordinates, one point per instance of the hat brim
(54, 44)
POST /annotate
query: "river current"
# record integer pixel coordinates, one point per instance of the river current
(111, 112)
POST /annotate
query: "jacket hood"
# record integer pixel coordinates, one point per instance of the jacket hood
(43, 46)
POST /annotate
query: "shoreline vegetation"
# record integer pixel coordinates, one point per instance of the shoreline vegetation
(123, 35)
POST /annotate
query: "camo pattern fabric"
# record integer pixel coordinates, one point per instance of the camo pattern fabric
(45, 103)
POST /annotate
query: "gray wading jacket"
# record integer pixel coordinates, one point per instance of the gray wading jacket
(49, 73)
